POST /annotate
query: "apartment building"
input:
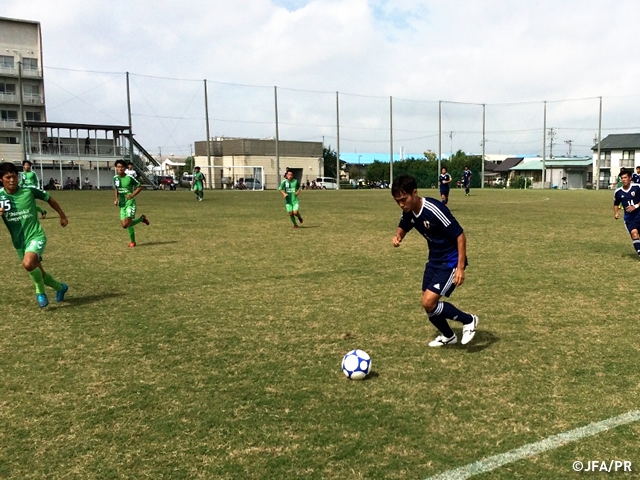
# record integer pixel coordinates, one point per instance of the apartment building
(21, 84)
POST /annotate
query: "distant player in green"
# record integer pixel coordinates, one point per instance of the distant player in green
(199, 182)
(18, 210)
(290, 189)
(126, 188)
(28, 178)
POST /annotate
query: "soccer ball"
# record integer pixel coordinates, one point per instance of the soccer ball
(356, 364)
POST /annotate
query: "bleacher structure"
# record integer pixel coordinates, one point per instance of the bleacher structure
(83, 155)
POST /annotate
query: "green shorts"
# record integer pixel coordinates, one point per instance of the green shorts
(128, 211)
(197, 187)
(292, 207)
(35, 245)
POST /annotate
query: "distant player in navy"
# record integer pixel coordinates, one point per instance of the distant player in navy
(444, 270)
(628, 195)
(444, 181)
(466, 179)
(636, 176)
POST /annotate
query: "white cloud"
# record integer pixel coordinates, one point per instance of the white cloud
(483, 52)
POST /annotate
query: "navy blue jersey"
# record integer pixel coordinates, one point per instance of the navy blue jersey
(626, 198)
(439, 228)
(635, 177)
(444, 177)
(466, 177)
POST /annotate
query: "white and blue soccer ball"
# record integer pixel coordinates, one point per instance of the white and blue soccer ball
(356, 364)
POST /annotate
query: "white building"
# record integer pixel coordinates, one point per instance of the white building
(616, 151)
(21, 84)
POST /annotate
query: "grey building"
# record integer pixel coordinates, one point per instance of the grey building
(21, 84)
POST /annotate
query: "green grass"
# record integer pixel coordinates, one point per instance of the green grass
(213, 349)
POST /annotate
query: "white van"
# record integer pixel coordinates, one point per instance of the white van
(327, 183)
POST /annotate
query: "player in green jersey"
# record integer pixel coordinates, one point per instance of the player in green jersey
(199, 182)
(126, 188)
(290, 189)
(18, 210)
(28, 178)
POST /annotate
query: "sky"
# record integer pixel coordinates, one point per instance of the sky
(390, 61)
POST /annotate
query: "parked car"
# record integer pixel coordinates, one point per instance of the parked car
(248, 184)
(327, 183)
(185, 180)
(167, 181)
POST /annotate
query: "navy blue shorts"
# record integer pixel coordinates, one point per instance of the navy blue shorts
(444, 191)
(438, 279)
(632, 223)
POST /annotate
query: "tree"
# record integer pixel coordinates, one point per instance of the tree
(330, 157)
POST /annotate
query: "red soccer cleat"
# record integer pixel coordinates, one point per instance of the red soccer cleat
(144, 219)
(132, 244)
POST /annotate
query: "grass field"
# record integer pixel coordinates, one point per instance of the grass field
(213, 349)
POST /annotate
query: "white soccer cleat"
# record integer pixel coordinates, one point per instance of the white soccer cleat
(469, 330)
(441, 340)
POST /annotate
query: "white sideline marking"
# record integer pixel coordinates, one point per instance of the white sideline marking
(555, 441)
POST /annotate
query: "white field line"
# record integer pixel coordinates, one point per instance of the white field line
(555, 441)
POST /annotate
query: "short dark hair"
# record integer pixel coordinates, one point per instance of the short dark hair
(25, 162)
(7, 167)
(626, 171)
(129, 163)
(120, 162)
(403, 184)
(196, 168)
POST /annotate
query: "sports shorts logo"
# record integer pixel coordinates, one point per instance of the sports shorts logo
(437, 285)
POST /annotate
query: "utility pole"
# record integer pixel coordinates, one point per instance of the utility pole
(569, 142)
(451, 137)
(551, 134)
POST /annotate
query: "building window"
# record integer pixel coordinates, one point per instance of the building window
(9, 140)
(9, 115)
(7, 88)
(30, 64)
(628, 158)
(31, 89)
(32, 116)
(605, 159)
(6, 61)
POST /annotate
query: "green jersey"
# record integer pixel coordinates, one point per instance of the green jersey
(20, 214)
(290, 188)
(125, 186)
(198, 178)
(29, 179)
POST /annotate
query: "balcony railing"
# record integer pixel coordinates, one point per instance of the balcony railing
(8, 69)
(8, 124)
(32, 99)
(9, 98)
(67, 150)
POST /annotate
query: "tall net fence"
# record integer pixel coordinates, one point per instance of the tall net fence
(169, 115)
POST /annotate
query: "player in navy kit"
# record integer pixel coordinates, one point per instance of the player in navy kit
(466, 179)
(628, 195)
(444, 181)
(444, 270)
(636, 176)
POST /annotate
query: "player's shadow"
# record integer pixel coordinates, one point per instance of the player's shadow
(629, 255)
(88, 299)
(481, 341)
(153, 244)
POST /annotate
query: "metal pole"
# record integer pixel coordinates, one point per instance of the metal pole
(130, 129)
(275, 94)
(390, 139)
(439, 137)
(596, 167)
(483, 142)
(544, 145)
(206, 115)
(22, 129)
(338, 138)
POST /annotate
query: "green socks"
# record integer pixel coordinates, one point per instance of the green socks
(51, 282)
(36, 277)
(293, 219)
(132, 232)
(135, 221)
